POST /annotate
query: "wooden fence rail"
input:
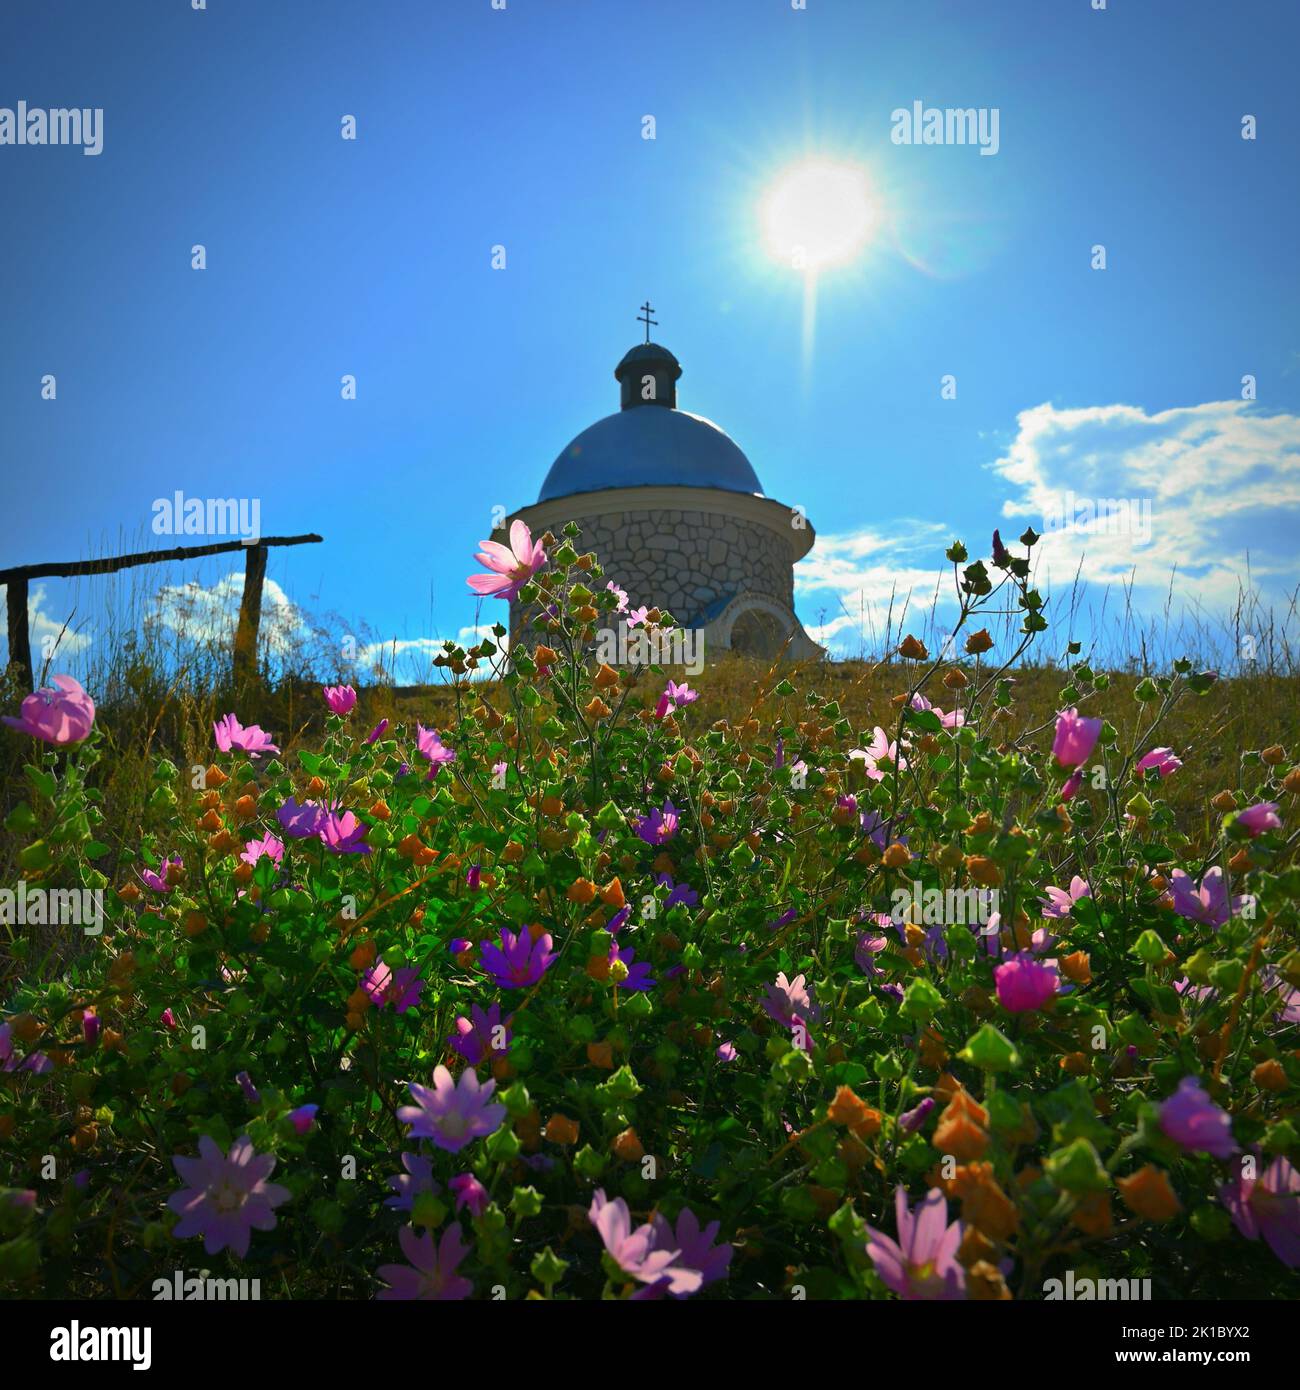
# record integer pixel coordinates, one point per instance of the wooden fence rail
(16, 580)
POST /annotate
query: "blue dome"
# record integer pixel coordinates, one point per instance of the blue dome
(651, 446)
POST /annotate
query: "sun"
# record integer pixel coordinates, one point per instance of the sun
(818, 214)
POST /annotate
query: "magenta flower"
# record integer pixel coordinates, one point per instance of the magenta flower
(377, 732)
(268, 847)
(343, 834)
(1162, 759)
(300, 822)
(432, 748)
(474, 877)
(1060, 902)
(226, 1196)
(949, 721)
(469, 1193)
(60, 714)
(1192, 1120)
(1075, 739)
(417, 1178)
(91, 1024)
(1268, 1206)
(674, 696)
(637, 616)
(1070, 787)
(519, 961)
(168, 1019)
(1206, 902)
(431, 1275)
(36, 1062)
(230, 733)
(659, 826)
(1024, 984)
(922, 1263)
(340, 698)
(401, 990)
(452, 1114)
(695, 1248)
(509, 569)
(635, 1251)
(477, 1037)
(1259, 818)
(910, 1122)
(160, 880)
(303, 1119)
(868, 947)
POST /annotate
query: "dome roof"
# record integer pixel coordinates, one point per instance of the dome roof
(648, 447)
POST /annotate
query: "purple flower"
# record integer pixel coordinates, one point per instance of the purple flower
(1268, 1206)
(452, 1114)
(725, 1052)
(790, 1004)
(91, 1023)
(377, 732)
(36, 1062)
(303, 1118)
(1059, 902)
(340, 698)
(477, 1037)
(914, 1119)
(226, 1196)
(158, 880)
(1071, 785)
(635, 1252)
(417, 1178)
(474, 876)
(922, 1263)
(401, 990)
(61, 714)
(459, 944)
(1192, 1120)
(659, 826)
(638, 972)
(695, 1248)
(469, 1193)
(1206, 902)
(1259, 818)
(431, 1275)
(251, 1094)
(867, 948)
(1075, 738)
(432, 748)
(678, 893)
(1161, 759)
(1024, 984)
(343, 834)
(230, 733)
(519, 961)
(300, 822)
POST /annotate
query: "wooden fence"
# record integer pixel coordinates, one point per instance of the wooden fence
(250, 606)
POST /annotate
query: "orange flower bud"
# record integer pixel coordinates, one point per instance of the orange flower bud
(380, 809)
(1077, 966)
(612, 895)
(955, 679)
(985, 1283)
(129, 893)
(596, 708)
(606, 678)
(552, 806)
(1269, 1075)
(1147, 1193)
(561, 1130)
(363, 955)
(912, 648)
(897, 856)
(983, 870)
(957, 1134)
(1274, 754)
(210, 821)
(512, 853)
(195, 923)
(246, 807)
(979, 642)
(1093, 1214)
(601, 1054)
(1224, 801)
(628, 1146)
(214, 777)
(581, 890)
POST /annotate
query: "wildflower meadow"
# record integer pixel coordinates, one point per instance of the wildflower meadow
(603, 989)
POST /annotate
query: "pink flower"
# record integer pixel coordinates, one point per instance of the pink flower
(377, 732)
(1024, 984)
(469, 1193)
(431, 747)
(267, 847)
(402, 990)
(162, 880)
(476, 1038)
(922, 1262)
(1268, 1206)
(1075, 739)
(637, 616)
(168, 1019)
(226, 1196)
(61, 714)
(1070, 788)
(659, 826)
(619, 594)
(1192, 1120)
(431, 1275)
(417, 1178)
(790, 1003)
(509, 569)
(343, 834)
(949, 721)
(635, 1251)
(452, 1114)
(725, 1052)
(303, 1119)
(1059, 902)
(879, 750)
(1259, 818)
(340, 698)
(674, 696)
(695, 1248)
(230, 733)
(519, 961)
(1162, 759)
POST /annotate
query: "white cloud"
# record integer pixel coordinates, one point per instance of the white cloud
(206, 614)
(48, 636)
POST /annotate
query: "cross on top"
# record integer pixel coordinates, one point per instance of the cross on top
(646, 310)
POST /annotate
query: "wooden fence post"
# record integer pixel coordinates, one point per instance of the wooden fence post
(20, 645)
(250, 616)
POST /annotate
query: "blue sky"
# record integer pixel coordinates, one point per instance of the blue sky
(522, 127)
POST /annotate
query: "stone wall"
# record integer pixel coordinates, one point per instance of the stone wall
(685, 560)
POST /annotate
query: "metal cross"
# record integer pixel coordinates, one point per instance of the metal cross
(647, 320)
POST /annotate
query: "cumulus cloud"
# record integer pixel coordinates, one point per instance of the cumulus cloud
(48, 636)
(210, 613)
